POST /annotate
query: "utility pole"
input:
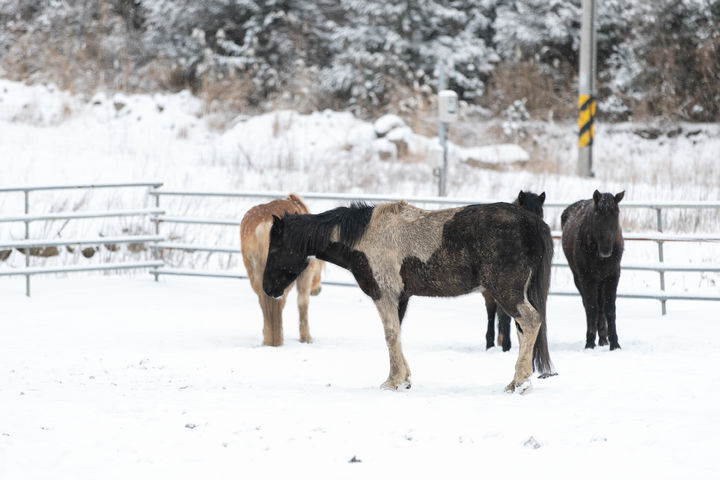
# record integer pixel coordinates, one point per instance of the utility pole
(442, 133)
(586, 98)
(447, 113)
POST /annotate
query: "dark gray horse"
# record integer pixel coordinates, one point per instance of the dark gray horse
(593, 244)
(396, 251)
(531, 202)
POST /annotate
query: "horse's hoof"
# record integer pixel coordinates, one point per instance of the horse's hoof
(603, 341)
(589, 345)
(506, 348)
(521, 388)
(614, 346)
(390, 385)
(305, 339)
(543, 376)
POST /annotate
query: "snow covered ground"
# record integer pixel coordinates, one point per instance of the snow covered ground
(121, 377)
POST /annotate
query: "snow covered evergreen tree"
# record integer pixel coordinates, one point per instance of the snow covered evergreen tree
(379, 47)
(654, 58)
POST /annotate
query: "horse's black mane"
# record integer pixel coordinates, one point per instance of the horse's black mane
(311, 233)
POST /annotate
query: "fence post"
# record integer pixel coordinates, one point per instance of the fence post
(658, 212)
(27, 237)
(156, 251)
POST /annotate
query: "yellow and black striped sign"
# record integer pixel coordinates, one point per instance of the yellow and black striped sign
(586, 120)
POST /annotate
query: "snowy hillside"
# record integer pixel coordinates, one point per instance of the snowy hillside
(48, 136)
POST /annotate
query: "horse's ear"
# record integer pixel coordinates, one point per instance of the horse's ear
(277, 224)
(542, 198)
(521, 197)
(619, 196)
(596, 196)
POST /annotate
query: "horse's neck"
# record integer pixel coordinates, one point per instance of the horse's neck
(586, 226)
(311, 233)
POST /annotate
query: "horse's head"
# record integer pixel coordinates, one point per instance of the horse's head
(605, 221)
(284, 262)
(531, 202)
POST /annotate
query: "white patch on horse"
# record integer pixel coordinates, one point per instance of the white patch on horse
(404, 230)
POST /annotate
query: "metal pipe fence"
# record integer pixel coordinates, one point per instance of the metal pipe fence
(157, 242)
(658, 237)
(27, 243)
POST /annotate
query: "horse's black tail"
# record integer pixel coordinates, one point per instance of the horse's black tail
(537, 294)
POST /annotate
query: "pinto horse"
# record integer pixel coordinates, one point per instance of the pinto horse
(396, 250)
(531, 202)
(255, 238)
(593, 244)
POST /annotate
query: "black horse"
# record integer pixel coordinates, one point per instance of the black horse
(593, 244)
(531, 202)
(396, 251)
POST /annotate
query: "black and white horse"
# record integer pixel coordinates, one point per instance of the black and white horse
(531, 202)
(396, 250)
(593, 244)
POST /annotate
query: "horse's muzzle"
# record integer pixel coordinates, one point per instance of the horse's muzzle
(605, 254)
(270, 292)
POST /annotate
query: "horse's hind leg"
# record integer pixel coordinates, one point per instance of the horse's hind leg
(527, 320)
(528, 323)
(491, 308)
(399, 375)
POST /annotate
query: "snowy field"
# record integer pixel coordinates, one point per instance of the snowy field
(121, 377)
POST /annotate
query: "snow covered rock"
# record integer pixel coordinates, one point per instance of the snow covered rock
(386, 123)
(494, 156)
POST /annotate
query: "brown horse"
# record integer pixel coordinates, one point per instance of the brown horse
(255, 240)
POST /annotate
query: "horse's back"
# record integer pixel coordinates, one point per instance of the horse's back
(469, 246)
(573, 211)
(424, 231)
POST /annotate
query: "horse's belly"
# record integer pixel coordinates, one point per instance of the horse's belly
(428, 280)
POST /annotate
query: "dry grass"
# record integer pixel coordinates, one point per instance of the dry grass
(546, 97)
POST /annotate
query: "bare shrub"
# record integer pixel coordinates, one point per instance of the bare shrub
(546, 94)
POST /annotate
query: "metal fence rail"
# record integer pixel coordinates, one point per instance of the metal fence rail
(658, 237)
(29, 243)
(157, 242)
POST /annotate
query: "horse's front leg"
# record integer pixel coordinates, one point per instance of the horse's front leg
(609, 294)
(491, 308)
(504, 330)
(303, 286)
(590, 293)
(399, 375)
